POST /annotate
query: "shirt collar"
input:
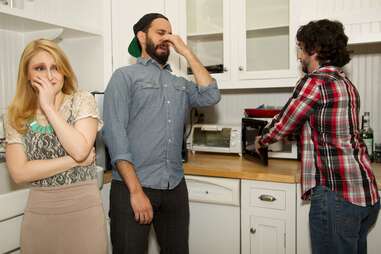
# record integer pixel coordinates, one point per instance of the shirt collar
(149, 60)
(328, 68)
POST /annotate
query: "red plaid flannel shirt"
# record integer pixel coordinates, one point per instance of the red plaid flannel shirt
(324, 110)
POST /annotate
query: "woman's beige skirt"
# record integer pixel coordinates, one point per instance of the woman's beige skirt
(68, 219)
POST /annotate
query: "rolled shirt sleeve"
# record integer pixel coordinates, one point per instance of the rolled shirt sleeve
(202, 96)
(116, 116)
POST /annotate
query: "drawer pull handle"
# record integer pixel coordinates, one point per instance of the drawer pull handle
(252, 230)
(267, 198)
(206, 192)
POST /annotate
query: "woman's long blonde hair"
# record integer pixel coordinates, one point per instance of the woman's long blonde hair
(24, 104)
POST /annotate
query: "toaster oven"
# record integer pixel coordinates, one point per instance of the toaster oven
(216, 138)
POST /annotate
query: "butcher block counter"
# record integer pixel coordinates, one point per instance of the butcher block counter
(233, 166)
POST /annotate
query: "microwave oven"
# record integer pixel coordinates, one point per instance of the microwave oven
(215, 138)
(251, 128)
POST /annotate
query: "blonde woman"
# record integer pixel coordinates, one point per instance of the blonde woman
(50, 133)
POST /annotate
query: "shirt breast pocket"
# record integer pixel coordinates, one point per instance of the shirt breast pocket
(180, 87)
(180, 94)
(146, 92)
(146, 85)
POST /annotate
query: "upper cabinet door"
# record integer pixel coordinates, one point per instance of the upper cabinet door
(266, 40)
(208, 35)
(243, 43)
(361, 19)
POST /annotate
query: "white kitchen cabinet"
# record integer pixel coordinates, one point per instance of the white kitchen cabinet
(208, 33)
(269, 235)
(267, 217)
(85, 15)
(303, 232)
(250, 43)
(214, 205)
(361, 19)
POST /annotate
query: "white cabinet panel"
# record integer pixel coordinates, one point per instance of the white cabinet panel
(362, 19)
(267, 217)
(268, 235)
(213, 190)
(214, 215)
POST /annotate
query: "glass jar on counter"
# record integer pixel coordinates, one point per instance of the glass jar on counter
(377, 153)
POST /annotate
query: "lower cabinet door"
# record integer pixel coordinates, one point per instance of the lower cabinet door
(267, 235)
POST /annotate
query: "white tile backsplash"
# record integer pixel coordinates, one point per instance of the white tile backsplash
(230, 109)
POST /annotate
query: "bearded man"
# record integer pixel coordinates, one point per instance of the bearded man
(336, 173)
(145, 109)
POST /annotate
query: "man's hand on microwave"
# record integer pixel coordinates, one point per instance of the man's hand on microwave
(257, 144)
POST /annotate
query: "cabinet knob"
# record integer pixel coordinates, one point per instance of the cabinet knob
(5, 2)
(267, 198)
(253, 230)
(240, 68)
(225, 69)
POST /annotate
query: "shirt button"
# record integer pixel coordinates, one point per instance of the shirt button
(169, 140)
(169, 121)
(165, 85)
(168, 102)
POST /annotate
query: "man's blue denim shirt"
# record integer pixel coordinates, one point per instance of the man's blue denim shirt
(145, 108)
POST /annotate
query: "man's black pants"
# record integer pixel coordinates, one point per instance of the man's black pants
(170, 220)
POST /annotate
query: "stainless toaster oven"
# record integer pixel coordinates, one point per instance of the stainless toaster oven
(216, 138)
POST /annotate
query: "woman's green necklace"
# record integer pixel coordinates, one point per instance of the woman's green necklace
(36, 127)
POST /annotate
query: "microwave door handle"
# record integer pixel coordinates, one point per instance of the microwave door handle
(211, 128)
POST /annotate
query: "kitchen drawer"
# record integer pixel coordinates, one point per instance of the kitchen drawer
(213, 190)
(10, 234)
(268, 198)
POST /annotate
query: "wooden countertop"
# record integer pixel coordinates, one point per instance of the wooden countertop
(233, 166)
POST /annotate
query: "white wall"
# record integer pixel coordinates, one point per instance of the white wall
(11, 44)
(365, 72)
(86, 57)
(230, 109)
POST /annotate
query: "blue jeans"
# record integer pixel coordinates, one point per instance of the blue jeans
(337, 226)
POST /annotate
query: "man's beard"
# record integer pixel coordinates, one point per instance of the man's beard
(304, 66)
(151, 49)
